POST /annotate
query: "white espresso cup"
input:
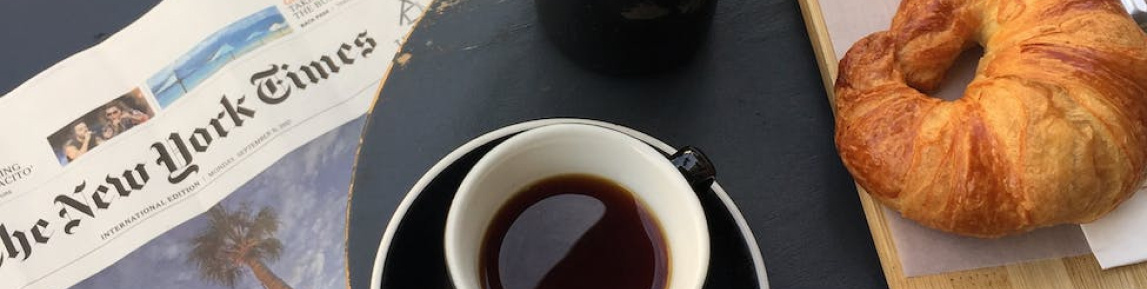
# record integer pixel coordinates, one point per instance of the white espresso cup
(524, 159)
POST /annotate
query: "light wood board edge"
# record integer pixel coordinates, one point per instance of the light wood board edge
(1069, 273)
(821, 44)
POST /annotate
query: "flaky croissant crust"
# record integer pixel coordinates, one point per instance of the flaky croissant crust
(1052, 130)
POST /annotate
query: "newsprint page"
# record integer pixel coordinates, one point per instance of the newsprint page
(207, 145)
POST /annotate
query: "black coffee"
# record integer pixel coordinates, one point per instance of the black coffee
(576, 232)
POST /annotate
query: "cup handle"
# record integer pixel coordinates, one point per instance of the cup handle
(695, 166)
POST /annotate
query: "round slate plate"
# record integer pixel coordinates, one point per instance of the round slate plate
(411, 252)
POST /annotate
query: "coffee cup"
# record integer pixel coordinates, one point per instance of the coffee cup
(627, 37)
(663, 188)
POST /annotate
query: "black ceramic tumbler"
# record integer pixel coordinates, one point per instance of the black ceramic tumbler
(627, 36)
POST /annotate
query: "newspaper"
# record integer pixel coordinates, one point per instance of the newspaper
(130, 159)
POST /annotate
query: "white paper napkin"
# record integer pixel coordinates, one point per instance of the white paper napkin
(925, 251)
(1120, 238)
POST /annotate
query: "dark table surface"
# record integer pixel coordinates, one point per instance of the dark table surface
(752, 99)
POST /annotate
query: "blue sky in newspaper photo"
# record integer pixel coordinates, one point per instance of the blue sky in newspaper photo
(295, 209)
(215, 51)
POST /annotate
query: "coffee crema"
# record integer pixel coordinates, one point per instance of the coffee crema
(574, 232)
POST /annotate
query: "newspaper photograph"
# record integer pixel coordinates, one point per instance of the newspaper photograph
(100, 125)
(210, 141)
(291, 218)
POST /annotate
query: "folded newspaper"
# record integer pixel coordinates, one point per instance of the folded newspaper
(210, 142)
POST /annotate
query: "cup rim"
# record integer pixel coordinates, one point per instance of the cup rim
(454, 221)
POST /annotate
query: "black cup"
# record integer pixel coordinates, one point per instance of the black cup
(627, 36)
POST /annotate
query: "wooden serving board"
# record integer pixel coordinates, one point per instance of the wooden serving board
(1074, 272)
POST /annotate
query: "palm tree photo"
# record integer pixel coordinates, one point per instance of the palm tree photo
(238, 240)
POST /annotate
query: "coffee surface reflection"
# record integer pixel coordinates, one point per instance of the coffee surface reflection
(574, 231)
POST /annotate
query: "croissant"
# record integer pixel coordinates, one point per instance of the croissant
(1052, 129)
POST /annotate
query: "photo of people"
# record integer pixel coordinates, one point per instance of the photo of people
(100, 125)
(211, 54)
(283, 229)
